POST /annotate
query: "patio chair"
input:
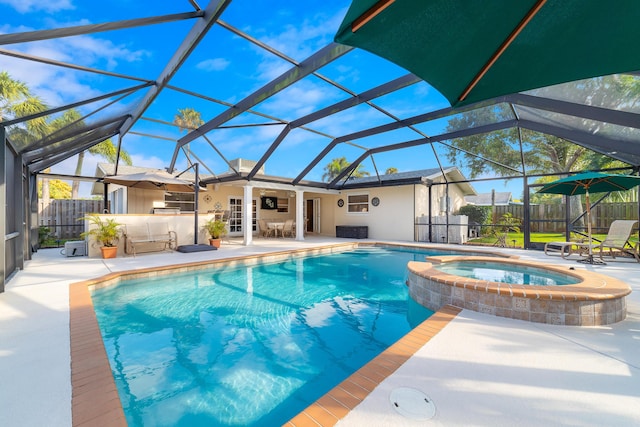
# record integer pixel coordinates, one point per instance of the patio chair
(287, 229)
(264, 229)
(618, 238)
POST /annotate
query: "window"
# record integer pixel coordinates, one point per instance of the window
(283, 205)
(183, 201)
(358, 203)
(236, 215)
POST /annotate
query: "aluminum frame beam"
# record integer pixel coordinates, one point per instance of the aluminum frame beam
(605, 146)
(74, 105)
(321, 58)
(29, 154)
(366, 96)
(62, 154)
(31, 36)
(599, 114)
(52, 148)
(422, 141)
(194, 37)
(70, 66)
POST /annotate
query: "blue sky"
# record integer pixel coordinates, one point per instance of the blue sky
(228, 68)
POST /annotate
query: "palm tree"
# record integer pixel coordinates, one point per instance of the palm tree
(187, 119)
(391, 171)
(16, 100)
(72, 119)
(334, 168)
(337, 165)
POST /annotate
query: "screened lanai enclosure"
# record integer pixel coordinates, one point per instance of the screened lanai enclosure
(512, 95)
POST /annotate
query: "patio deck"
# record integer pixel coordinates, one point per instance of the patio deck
(479, 370)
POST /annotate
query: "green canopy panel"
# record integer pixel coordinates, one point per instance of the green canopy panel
(448, 43)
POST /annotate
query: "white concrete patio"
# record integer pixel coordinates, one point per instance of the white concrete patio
(480, 370)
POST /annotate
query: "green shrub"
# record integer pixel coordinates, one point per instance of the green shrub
(43, 234)
(478, 214)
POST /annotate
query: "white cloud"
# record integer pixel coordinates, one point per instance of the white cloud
(24, 6)
(215, 64)
(56, 85)
(297, 101)
(297, 42)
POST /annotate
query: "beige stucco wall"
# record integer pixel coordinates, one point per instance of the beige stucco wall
(182, 224)
(392, 219)
(399, 207)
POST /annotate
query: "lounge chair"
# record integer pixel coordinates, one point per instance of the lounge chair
(568, 248)
(618, 238)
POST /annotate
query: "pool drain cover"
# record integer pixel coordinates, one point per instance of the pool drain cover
(412, 403)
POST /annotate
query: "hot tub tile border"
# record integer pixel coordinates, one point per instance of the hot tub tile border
(593, 290)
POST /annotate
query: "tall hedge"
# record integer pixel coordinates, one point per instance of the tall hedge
(478, 214)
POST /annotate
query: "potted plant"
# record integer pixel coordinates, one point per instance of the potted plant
(106, 232)
(216, 229)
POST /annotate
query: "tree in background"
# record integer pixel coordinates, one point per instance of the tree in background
(337, 165)
(391, 171)
(543, 153)
(187, 119)
(58, 189)
(70, 120)
(16, 100)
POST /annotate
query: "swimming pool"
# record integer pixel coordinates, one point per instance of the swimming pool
(252, 345)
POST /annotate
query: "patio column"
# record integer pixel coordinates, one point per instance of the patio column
(300, 225)
(247, 212)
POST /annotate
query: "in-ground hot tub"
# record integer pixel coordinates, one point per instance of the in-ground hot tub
(588, 298)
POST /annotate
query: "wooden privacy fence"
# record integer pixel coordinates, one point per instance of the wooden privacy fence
(550, 218)
(62, 216)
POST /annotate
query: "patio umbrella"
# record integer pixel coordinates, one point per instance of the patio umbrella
(593, 182)
(477, 50)
(152, 180)
(160, 180)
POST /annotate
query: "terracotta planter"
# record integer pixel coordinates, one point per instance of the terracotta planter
(215, 242)
(109, 251)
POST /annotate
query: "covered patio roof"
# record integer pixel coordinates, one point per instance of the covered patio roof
(291, 108)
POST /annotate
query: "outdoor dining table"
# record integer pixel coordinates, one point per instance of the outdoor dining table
(276, 226)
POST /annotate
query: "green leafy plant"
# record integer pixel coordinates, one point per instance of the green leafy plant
(506, 224)
(216, 228)
(106, 231)
(43, 234)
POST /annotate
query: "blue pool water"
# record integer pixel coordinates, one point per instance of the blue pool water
(252, 346)
(506, 273)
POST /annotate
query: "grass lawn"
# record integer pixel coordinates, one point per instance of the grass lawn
(516, 240)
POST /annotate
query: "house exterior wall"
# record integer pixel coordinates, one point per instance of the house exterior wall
(393, 218)
(399, 207)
